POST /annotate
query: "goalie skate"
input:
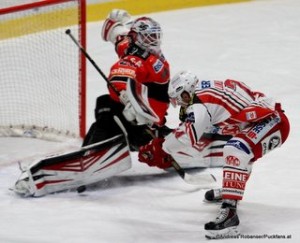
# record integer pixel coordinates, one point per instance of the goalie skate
(88, 165)
(22, 186)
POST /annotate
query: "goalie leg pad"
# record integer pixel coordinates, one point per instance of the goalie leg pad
(88, 165)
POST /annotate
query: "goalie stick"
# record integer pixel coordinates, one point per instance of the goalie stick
(68, 32)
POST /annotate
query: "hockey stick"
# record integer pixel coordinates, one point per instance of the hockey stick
(206, 181)
(68, 32)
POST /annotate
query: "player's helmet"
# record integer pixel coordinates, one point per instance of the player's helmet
(148, 33)
(183, 82)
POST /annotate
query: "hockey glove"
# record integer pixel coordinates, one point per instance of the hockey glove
(153, 154)
(117, 23)
(119, 15)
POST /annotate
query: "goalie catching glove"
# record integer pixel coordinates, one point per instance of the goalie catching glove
(117, 23)
(153, 155)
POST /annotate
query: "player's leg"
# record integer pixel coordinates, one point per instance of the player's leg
(239, 154)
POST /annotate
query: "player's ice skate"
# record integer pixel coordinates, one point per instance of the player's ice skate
(225, 225)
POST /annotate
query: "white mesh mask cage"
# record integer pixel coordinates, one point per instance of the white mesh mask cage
(148, 33)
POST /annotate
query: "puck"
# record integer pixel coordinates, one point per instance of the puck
(81, 189)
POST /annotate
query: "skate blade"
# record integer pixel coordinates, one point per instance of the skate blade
(217, 202)
(230, 232)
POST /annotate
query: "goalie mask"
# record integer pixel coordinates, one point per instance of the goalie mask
(147, 34)
(182, 87)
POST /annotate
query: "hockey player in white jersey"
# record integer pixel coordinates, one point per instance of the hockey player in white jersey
(258, 126)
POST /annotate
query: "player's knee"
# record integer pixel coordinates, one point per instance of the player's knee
(237, 153)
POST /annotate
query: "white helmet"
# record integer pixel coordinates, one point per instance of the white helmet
(148, 33)
(184, 81)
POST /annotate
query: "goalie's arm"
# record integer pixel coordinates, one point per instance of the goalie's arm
(138, 107)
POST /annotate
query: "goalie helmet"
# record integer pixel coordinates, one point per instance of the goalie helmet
(147, 34)
(182, 87)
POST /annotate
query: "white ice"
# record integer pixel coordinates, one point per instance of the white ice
(256, 42)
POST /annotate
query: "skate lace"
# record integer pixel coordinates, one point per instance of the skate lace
(222, 215)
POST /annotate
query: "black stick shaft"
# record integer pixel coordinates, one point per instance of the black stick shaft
(68, 32)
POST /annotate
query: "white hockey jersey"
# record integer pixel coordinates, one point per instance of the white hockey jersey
(220, 106)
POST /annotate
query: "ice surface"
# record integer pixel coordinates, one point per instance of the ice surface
(255, 42)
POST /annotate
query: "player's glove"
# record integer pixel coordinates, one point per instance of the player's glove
(153, 154)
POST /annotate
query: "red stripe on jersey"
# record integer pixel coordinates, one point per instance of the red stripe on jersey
(191, 132)
(232, 97)
(218, 84)
(217, 154)
(218, 98)
(244, 87)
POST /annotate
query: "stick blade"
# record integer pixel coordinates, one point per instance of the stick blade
(205, 181)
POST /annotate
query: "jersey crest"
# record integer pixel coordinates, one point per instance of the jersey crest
(158, 65)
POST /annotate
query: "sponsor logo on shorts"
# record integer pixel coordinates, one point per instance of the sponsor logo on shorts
(261, 129)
